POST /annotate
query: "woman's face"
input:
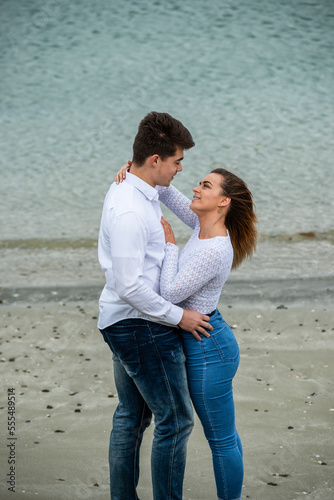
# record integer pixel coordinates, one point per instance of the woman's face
(208, 194)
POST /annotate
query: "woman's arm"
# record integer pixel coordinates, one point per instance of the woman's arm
(177, 284)
(178, 203)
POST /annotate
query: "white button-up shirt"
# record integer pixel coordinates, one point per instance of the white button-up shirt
(131, 250)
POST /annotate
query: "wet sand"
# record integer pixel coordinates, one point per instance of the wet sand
(54, 361)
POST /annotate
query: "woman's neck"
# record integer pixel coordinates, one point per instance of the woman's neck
(211, 226)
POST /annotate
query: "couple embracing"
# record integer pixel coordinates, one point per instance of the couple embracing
(158, 312)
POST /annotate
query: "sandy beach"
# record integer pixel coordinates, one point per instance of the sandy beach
(253, 82)
(59, 370)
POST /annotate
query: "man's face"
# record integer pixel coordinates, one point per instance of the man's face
(168, 168)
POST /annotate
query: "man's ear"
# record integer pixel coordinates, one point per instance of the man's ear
(154, 159)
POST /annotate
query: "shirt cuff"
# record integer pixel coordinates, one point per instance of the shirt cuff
(175, 314)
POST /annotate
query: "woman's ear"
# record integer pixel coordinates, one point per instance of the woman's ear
(224, 202)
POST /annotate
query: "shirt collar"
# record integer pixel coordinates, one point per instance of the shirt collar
(149, 191)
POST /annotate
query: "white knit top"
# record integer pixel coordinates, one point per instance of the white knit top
(194, 278)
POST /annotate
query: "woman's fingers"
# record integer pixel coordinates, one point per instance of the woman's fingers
(169, 235)
(121, 174)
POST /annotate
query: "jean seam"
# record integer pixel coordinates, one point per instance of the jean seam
(221, 466)
(177, 426)
(137, 446)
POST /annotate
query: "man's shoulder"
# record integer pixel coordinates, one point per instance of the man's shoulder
(119, 195)
(123, 198)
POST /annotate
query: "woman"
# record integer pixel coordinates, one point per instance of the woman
(222, 216)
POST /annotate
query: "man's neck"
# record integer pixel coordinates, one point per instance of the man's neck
(143, 173)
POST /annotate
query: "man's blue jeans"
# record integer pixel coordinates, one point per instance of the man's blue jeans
(150, 378)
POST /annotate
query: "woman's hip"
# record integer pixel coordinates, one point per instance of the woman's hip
(221, 347)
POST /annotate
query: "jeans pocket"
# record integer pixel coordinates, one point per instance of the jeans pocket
(226, 345)
(168, 343)
(125, 349)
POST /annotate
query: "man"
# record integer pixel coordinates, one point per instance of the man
(139, 326)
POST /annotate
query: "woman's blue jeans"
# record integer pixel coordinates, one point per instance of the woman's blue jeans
(211, 366)
(150, 378)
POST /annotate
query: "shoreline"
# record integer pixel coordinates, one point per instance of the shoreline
(243, 291)
(54, 357)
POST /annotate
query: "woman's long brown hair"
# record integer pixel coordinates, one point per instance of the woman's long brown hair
(241, 218)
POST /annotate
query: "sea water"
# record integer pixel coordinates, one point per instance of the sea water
(251, 79)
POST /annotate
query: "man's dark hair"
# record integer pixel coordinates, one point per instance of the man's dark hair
(161, 134)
